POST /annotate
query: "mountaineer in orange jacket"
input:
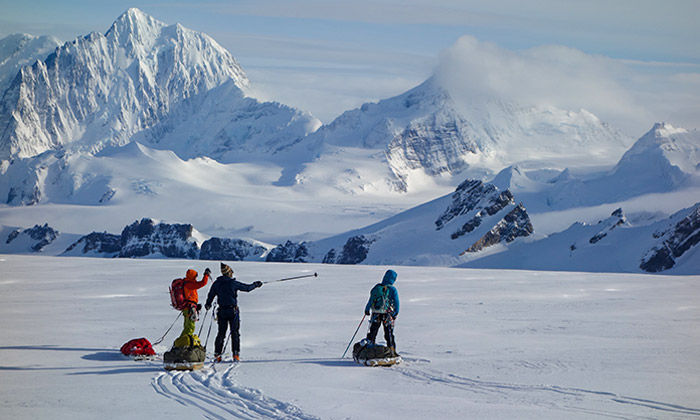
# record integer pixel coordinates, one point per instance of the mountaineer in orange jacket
(191, 313)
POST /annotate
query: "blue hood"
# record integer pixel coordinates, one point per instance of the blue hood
(389, 277)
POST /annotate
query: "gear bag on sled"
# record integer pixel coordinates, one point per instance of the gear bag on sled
(187, 354)
(370, 354)
(177, 295)
(138, 348)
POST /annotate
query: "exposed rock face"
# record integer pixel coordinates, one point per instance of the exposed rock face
(674, 243)
(289, 252)
(354, 251)
(470, 195)
(228, 249)
(617, 218)
(515, 224)
(40, 236)
(98, 243)
(145, 238)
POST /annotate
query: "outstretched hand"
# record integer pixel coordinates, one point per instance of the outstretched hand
(258, 284)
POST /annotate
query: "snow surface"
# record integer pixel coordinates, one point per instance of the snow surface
(476, 344)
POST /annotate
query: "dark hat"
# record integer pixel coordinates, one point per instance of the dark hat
(226, 270)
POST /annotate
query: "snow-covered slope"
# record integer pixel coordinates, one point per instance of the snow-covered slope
(19, 50)
(425, 133)
(442, 232)
(477, 344)
(664, 160)
(670, 245)
(166, 86)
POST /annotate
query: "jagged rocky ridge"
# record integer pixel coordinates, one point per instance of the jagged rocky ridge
(614, 244)
(675, 242)
(148, 238)
(35, 238)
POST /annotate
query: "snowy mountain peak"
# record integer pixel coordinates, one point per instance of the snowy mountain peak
(427, 132)
(135, 26)
(165, 86)
(663, 129)
(664, 153)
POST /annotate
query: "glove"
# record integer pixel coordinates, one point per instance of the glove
(207, 271)
(199, 307)
(258, 284)
(207, 306)
(367, 313)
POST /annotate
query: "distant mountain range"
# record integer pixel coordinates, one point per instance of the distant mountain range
(152, 121)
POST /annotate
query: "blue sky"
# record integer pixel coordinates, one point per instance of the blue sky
(328, 56)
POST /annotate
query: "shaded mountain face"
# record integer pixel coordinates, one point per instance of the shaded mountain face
(151, 238)
(171, 87)
(675, 242)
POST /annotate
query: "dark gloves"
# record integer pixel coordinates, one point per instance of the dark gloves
(367, 313)
(199, 307)
(258, 284)
(207, 306)
(207, 271)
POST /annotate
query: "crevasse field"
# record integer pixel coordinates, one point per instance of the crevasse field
(477, 344)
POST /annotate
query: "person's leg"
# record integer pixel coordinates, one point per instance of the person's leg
(188, 323)
(220, 335)
(373, 327)
(236, 334)
(388, 323)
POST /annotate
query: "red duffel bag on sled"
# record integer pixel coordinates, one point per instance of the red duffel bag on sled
(138, 347)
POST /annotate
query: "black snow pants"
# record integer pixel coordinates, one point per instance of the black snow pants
(388, 322)
(228, 316)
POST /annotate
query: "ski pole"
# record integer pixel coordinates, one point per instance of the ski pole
(211, 321)
(353, 336)
(291, 278)
(201, 326)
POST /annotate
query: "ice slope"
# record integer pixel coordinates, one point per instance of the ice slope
(477, 344)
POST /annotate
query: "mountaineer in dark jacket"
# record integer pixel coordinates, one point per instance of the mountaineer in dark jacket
(225, 289)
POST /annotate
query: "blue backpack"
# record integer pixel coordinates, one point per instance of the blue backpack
(381, 303)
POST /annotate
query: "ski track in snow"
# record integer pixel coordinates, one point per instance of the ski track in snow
(220, 396)
(553, 396)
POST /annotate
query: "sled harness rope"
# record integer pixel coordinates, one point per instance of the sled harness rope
(166, 333)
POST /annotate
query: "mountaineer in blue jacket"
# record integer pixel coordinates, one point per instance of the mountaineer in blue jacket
(384, 304)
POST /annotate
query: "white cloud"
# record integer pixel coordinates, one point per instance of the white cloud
(568, 79)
